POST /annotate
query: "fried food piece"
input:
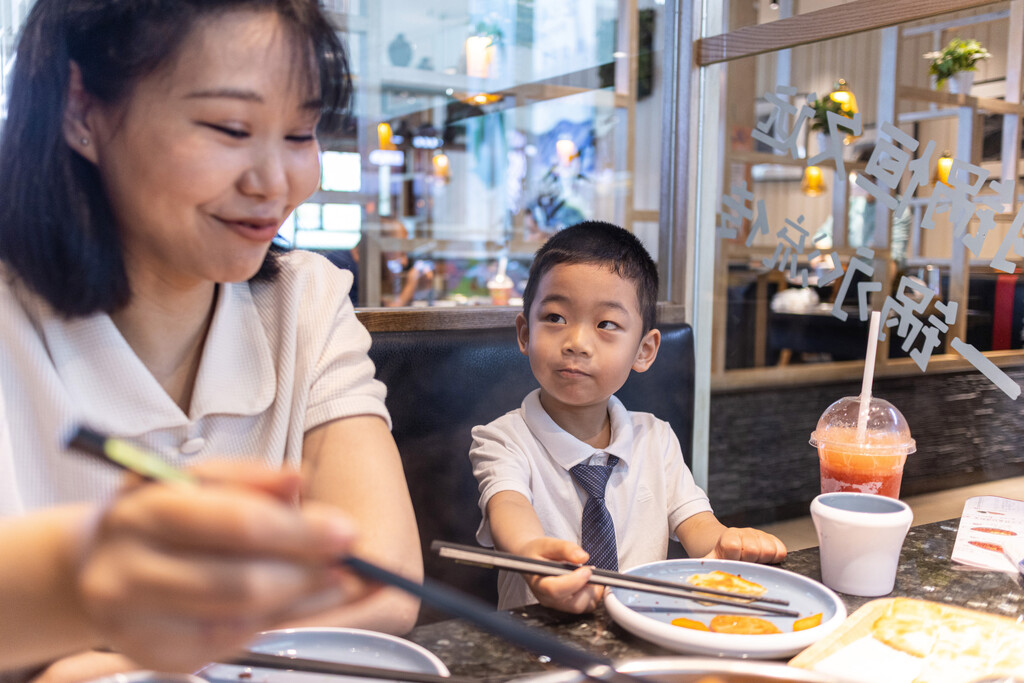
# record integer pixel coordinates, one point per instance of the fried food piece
(807, 622)
(724, 581)
(727, 623)
(993, 530)
(908, 626)
(690, 623)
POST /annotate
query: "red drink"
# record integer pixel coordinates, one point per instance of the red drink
(864, 462)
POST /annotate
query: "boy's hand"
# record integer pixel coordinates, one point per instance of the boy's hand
(749, 545)
(568, 593)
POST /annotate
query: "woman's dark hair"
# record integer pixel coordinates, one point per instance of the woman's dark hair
(602, 244)
(57, 229)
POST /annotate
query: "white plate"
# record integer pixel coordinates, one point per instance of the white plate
(345, 645)
(649, 615)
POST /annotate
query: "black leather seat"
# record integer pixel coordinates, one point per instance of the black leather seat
(443, 383)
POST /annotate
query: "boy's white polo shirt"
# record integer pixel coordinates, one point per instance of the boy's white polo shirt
(650, 492)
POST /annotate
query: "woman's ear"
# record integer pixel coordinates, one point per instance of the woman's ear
(78, 132)
(522, 334)
(648, 351)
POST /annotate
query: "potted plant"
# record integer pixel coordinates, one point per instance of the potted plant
(828, 103)
(821, 107)
(956, 63)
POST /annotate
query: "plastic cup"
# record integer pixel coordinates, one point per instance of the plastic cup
(500, 290)
(873, 464)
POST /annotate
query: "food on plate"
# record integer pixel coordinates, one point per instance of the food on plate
(902, 629)
(994, 547)
(725, 623)
(991, 530)
(724, 581)
(730, 623)
(807, 622)
(690, 623)
(955, 644)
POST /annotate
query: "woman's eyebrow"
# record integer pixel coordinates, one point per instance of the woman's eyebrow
(314, 103)
(228, 93)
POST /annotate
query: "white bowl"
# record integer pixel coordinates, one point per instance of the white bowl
(343, 645)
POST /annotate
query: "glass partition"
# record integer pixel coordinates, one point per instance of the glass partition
(852, 181)
(480, 128)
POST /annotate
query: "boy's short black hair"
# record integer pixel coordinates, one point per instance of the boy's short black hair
(604, 244)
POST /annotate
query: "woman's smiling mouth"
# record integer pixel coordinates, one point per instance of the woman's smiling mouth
(259, 230)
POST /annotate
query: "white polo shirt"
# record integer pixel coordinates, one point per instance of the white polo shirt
(280, 358)
(649, 493)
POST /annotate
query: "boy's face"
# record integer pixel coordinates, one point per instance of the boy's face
(584, 335)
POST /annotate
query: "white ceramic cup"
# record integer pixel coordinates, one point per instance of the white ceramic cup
(860, 536)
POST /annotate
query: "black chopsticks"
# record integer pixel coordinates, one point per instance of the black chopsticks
(517, 563)
(150, 466)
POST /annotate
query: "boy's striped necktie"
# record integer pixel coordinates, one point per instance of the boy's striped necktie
(598, 536)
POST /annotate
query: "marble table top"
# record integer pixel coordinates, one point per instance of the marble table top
(925, 571)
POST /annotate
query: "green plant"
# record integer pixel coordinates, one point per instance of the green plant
(819, 122)
(959, 55)
(490, 30)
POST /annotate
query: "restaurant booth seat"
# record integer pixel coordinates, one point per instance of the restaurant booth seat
(442, 383)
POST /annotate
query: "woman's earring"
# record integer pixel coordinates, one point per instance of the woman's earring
(85, 142)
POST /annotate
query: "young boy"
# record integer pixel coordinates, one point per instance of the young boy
(588, 319)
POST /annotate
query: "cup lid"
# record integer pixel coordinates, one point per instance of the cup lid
(887, 429)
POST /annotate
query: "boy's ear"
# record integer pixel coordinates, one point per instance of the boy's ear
(522, 334)
(78, 132)
(648, 351)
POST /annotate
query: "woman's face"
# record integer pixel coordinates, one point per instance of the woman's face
(209, 155)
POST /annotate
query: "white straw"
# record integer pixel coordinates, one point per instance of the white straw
(869, 375)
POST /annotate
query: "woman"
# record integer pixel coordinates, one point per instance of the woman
(151, 151)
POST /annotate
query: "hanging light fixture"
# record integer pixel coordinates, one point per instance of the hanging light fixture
(813, 183)
(942, 168)
(442, 171)
(843, 96)
(384, 136)
(566, 151)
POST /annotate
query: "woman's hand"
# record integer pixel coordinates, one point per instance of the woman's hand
(569, 592)
(177, 576)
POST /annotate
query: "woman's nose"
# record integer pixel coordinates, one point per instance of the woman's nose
(267, 175)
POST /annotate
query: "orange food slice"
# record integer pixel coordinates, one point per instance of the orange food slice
(742, 625)
(807, 622)
(690, 623)
(991, 530)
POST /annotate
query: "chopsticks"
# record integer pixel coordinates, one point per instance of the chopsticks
(439, 596)
(284, 662)
(518, 563)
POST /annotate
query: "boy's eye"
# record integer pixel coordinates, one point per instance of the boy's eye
(554, 318)
(301, 138)
(607, 325)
